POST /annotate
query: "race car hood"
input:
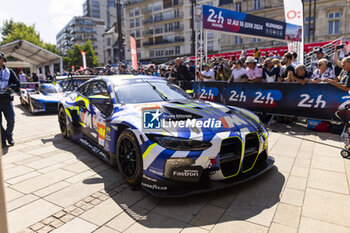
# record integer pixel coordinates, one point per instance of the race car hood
(193, 119)
(52, 97)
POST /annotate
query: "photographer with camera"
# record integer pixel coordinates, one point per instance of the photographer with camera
(8, 82)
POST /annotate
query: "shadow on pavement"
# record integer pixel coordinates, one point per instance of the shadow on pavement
(235, 203)
(25, 111)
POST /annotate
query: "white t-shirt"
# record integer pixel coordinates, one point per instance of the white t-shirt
(209, 73)
(236, 73)
(22, 78)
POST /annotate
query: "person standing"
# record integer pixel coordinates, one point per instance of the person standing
(8, 81)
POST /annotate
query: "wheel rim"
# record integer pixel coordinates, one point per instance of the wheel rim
(127, 157)
(62, 121)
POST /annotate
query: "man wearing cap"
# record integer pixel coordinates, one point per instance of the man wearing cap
(253, 72)
(8, 81)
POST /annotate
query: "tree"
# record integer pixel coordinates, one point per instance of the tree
(12, 31)
(74, 57)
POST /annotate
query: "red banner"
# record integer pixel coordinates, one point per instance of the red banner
(133, 52)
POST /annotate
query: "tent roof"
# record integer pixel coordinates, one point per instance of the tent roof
(28, 52)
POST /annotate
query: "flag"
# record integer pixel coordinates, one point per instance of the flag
(84, 59)
(133, 52)
(294, 14)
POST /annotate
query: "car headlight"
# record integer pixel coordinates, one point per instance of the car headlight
(36, 104)
(180, 144)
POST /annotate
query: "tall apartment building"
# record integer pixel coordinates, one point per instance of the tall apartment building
(162, 28)
(78, 31)
(99, 16)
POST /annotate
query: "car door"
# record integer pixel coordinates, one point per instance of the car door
(100, 109)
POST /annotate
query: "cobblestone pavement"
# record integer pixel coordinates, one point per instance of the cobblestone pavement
(55, 185)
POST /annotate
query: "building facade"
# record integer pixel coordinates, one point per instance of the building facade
(162, 28)
(78, 31)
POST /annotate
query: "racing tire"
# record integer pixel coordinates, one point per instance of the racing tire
(129, 158)
(345, 153)
(62, 120)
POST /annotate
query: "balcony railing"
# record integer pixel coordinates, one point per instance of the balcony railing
(163, 18)
(164, 41)
(130, 2)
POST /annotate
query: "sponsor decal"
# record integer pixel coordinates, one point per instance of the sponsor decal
(186, 173)
(156, 171)
(156, 120)
(93, 148)
(149, 178)
(154, 186)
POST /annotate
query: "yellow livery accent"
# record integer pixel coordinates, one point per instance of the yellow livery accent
(148, 150)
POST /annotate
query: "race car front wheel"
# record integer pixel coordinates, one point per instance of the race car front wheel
(129, 158)
(62, 120)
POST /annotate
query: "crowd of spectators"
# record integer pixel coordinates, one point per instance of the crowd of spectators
(269, 68)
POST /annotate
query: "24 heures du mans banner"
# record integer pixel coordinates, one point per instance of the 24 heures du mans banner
(237, 22)
(319, 101)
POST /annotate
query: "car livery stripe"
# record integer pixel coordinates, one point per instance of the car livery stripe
(144, 155)
(151, 155)
(161, 159)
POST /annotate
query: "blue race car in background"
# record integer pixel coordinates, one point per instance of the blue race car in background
(162, 139)
(41, 99)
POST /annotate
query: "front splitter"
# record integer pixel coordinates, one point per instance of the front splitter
(215, 185)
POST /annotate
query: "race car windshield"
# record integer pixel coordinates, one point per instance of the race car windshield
(146, 92)
(50, 89)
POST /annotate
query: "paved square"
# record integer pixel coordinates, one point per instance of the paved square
(54, 185)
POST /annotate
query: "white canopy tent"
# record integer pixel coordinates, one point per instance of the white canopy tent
(31, 56)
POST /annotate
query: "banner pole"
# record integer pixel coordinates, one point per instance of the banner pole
(3, 218)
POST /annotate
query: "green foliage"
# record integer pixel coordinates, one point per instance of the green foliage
(12, 31)
(74, 57)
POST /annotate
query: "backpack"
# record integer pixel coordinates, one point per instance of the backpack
(323, 126)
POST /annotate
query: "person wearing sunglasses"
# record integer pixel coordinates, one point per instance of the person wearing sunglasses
(323, 72)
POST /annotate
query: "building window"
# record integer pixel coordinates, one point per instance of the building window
(151, 53)
(137, 11)
(210, 45)
(306, 25)
(239, 6)
(131, 12)
(333, 23)
(132, 23)
(238, 40)
(138, 34)
(108, 41)
(256, 4)
(256, 40)
(137, 22)
(177, 49)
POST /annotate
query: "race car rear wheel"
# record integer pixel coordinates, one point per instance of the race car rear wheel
(345, 153)
(62, 120)
(129, 158)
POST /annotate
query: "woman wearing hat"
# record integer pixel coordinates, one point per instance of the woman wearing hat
(253, 72)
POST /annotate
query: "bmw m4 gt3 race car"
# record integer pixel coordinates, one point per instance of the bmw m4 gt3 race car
(45, 98)
(162, 139)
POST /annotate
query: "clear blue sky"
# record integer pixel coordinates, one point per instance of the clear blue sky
(49, 16)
